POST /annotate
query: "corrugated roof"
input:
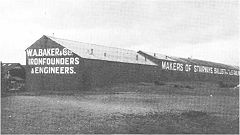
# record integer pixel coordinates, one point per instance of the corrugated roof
(209, 63)
(178, 59)
(159, 56)
(92, 51)
(189, 60)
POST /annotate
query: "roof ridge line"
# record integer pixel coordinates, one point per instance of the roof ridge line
(91, 44)
(171, 57)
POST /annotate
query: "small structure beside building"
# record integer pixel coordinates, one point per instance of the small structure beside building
(12, 76)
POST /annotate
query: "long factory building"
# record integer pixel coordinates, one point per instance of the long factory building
(60, 64)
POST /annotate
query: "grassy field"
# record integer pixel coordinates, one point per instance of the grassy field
(174, 107)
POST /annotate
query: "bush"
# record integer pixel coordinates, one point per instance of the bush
(178, 86)
(189, 87)
(194, 114)
(159, 83)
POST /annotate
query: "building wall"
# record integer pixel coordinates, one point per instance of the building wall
(98, 73)
(102, 73)
(50, 81)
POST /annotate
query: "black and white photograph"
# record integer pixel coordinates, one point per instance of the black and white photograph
(119, 66)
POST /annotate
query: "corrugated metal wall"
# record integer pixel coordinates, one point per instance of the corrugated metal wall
(38, 82)
(101, 73)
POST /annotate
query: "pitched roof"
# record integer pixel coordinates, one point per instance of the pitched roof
(93, 51)
(99, 52)
(156, 57)
(209, 63)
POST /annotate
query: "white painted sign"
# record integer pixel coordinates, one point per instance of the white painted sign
(175, 66)
(172, 66)
(52, 61)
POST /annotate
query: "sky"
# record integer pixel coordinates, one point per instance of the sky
(200, 29)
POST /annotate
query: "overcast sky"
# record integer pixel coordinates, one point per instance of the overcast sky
(202, 29)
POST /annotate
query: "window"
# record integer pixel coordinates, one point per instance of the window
(105, 54)
(154, 54)
(136, 57)
(145, 58)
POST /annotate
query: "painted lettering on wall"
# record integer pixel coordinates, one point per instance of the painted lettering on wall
(51, 61)
(175, 66)
(172, 66)
(49, 52)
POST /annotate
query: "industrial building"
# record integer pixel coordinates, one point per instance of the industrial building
(60, 64)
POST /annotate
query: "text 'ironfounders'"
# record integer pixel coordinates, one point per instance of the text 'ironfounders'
(51, 61)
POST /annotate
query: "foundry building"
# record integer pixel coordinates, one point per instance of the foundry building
(60, 64)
